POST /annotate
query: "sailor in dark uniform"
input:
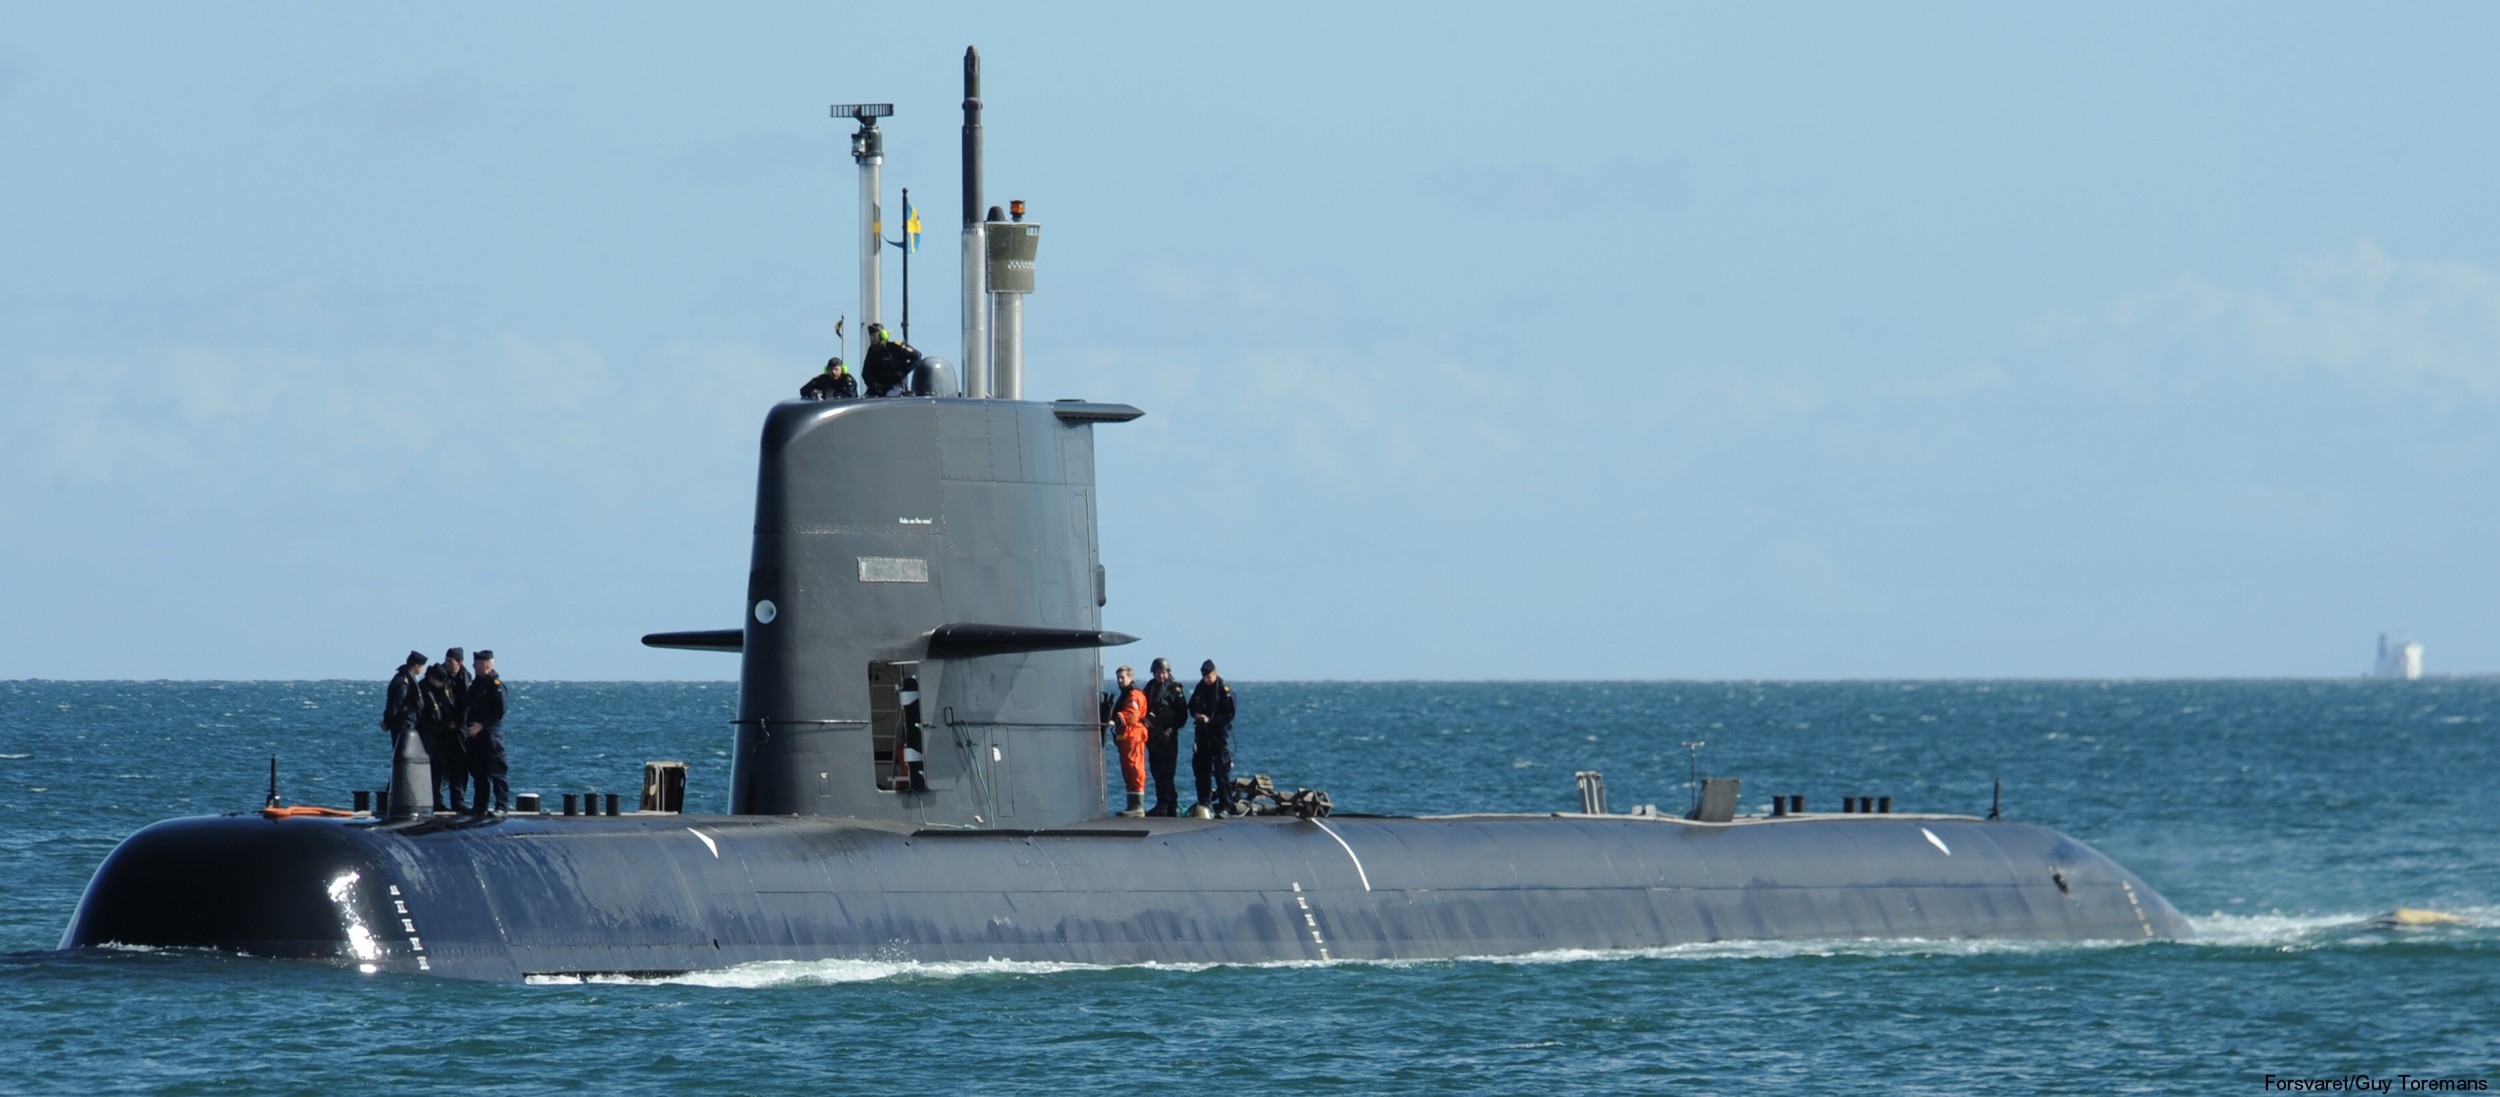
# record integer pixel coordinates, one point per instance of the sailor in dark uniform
(402, 702)
(835, 383)
(443, 725)
(1211, 706)
(435, 718)
(485, 737)
(1167, 711)
(890, 364)
(455, 667)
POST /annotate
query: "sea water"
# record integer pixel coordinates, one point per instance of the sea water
(2280, 816)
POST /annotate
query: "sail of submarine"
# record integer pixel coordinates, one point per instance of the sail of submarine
(942, 545)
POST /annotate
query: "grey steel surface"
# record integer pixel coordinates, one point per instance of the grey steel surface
(1013, 246)
(978, 368)
(1009, 260)
(878, 522)
(1007, 336)
(662, 893)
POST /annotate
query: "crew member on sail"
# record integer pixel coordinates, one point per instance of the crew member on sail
(835, 383)
(890, 364)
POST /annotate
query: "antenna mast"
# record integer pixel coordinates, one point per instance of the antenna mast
(975, 252)
(868, 150)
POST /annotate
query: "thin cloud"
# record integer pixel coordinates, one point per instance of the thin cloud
(2361, 315)
(203, 420)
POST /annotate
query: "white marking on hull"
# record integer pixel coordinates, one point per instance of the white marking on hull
(1935, 841)
(1349, 853)
(1304, 902)
(708, 843)
(2139, 908)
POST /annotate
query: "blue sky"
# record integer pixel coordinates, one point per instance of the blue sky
(1626, 341)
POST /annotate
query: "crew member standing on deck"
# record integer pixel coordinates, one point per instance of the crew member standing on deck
(1131, 714)
(1211, 706)
(403, 702)
(485, 737)
(456, 672)
(1167, 711)
(438, 723)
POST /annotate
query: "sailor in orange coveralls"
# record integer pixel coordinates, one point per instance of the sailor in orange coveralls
(1131, 717)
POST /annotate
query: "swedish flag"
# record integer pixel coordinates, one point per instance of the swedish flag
(911, 225)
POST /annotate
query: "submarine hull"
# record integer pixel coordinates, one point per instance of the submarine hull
(651, 894)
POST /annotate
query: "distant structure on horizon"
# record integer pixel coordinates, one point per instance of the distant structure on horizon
(2399, 657)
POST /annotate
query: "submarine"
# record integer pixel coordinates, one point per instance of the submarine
(918, 772)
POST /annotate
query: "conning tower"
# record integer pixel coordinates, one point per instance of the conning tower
(924, 602)
(925, 577)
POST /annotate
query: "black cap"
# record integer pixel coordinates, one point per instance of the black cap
(1161, 664)
(454, 655)
(833, 363)
(1206, 666)
(483, 655)
(415, 659)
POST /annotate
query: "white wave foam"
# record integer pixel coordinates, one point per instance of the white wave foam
(786, 973)
(789, 973)
(1817, 947)
(2298, 931)
(2258, 930)
(2271, 930)
(772, 973)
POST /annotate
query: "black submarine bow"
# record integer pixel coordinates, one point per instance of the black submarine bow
(917, 773)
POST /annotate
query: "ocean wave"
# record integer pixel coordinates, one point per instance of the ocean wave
(2272, 931)
(2293, 932)
(1808, 947)
(786, 973)
(117, 946)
